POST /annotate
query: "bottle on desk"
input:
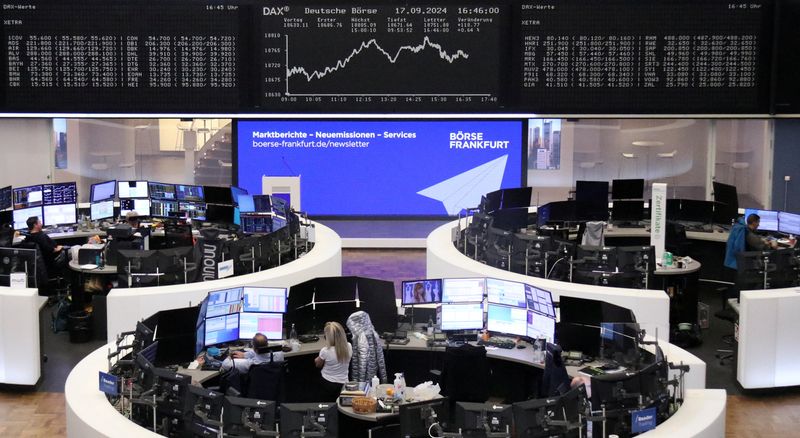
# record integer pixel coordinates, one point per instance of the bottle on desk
(293, 332)
(374, 389)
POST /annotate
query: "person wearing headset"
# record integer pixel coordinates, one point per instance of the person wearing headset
(260, 353)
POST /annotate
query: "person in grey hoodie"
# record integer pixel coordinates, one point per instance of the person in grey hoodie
(367, 360)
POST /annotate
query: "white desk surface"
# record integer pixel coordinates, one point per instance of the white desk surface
(107, 269)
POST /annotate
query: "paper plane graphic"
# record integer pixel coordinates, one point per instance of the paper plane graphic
(465, 189)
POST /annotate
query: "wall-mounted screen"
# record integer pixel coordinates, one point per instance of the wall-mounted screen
(430, 168)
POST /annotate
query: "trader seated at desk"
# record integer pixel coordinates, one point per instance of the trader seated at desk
(260, 353)
(55, 258)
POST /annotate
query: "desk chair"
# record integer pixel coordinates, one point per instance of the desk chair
(265, 381)
(465, 374)
(177, 236)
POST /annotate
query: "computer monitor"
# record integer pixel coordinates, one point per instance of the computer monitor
(597, 258)
(507, 319)
(224, 301)
(248, 416)
(724, 214)
(417, 419)
(592, 192)
(235, 193)
(627, 189)
(246, 204)
(200, 337)
(695, 210)
(162, 208)
(207, 403)
(789, 223)
(218, 195)
(493, 201)
(60, 214)
(280, 206)
(21, 216)
(616, 390)
(540, 326)
(190, 193)
(101, 210)
(270, 324)
(628, 211)
(463, 290)
(539, 300)
(516, 198)
(222, 329)
(421, 292)
(30, 196)
(262, 203)
(532, 417)
(102, 191)
(726, 194)
(769, 219)
(510, 219)
(132, 189)
(509, 293)
(560, 211)
(194, 210)
(673, 209)
(140, 206)
(636, 258)
(60, 193)
(620, 342)
(461, 316)
(478, 419)
(6, 198)
(18, 260)
(264, 299)
(161, 191)
(321, 418)
(219, 213)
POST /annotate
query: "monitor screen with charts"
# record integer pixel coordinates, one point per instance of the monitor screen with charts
(102, 210)
(463, 290)
(222, 329)
(189, 193)
(461, 316)
(509, 293)
(161, 190)
(264, 299)
(60, 193)
(30, 196)
(140, 206)
(541, 326)
(5, 198)
(768, 221)
(21, 216)
(162, 208)
(270, 324)
(540, 300)
(506, 319)
(60, 214)
(789, 223)
(223, 302)
(102, 191)
(132, 189)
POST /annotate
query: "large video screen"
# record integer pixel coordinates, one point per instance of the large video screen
(373, 168)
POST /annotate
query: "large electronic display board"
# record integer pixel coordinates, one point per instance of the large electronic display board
(426, 168)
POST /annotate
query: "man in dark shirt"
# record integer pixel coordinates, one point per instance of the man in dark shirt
(753, 241)
(49, 249)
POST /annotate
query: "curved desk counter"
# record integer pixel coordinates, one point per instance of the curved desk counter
(20, 355)
(127, 306)
(89, 414)
(651, 307)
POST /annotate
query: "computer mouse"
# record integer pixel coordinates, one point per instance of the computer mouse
(520, 346)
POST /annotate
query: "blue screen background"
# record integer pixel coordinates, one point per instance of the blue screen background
(383, 178)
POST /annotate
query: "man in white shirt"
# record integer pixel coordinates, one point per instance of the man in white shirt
(259, 354)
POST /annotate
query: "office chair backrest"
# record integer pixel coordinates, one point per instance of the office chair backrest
(178, 235)
(265, 381)
(465, 374)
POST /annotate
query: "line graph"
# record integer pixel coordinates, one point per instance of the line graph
(426, 42)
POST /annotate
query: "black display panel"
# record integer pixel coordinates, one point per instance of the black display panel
(123, 56)
(5, 198)
(404, 56)
(643, 56)
(60, 193)
(786, 97)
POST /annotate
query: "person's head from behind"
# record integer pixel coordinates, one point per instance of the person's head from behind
(260, 343)
(753, 221)
(336, 338)
(132, 218)
(34, 224)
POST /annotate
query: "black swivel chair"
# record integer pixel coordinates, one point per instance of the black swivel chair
(266, 381)
(465, 374)
(675, 240)
(177, 235)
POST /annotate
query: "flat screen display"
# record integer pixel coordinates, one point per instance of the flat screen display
(507, 319)
(60, 214)
(429, 168)
(140, 206)
(270, 324)
(132, 189)
(769, 218)
(102, 191)
(194, 210)
(627, 189)
(461, 316)
(421, 292)
(789, 223)
(223, 302)
(162, 207)
(509, 293)
(5, 198)
(539, 300)
(161, 191)
(189, 193)
(218, 195)
(264, 299)
(22, 215)
(30, 196)
(102, 210)
(222, 329)
(246, 204)
(60, 193)
(541, 327)
(463, 290)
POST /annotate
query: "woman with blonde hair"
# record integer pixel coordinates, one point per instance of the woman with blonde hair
(334, 359)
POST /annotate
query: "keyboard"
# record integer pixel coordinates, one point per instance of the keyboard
(498, 343)
(305, 339)
(399, 341)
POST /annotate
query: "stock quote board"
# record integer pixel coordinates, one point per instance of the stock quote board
(249, 56)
